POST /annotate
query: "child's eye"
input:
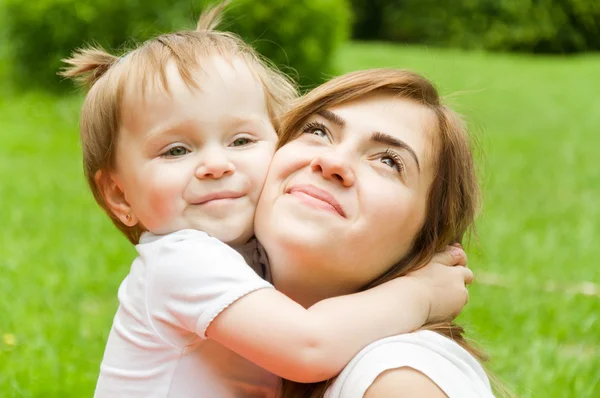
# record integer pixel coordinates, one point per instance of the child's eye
(176, 151)
(241, 141)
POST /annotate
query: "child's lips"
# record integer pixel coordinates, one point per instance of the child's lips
(217, 196)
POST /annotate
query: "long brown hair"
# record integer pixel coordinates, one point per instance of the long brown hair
(453, 197)
(107, 76)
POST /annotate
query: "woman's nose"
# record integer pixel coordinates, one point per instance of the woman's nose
(334, 166)
(215, 164)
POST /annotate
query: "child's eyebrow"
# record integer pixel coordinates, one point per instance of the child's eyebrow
(251, 120)
(168, 129)
(244, 122)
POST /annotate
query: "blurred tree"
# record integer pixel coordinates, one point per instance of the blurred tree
(43, 32)
(541, 26)
(299, 34)
(302, 34)
(368, 19)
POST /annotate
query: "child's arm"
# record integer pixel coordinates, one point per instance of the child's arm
(313, 345)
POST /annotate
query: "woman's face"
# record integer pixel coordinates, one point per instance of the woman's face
(344, 200)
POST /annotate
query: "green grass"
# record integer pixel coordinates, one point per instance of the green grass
(537, 121)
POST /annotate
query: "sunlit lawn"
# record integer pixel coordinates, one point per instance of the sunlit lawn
(536, 308)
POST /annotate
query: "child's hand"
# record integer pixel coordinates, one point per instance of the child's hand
(445, 278)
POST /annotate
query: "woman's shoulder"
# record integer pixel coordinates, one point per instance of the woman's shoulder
(445, 363)
(403, 382)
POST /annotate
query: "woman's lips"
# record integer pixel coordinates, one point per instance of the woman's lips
(317, 197)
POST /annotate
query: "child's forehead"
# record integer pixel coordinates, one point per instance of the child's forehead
(220, 88)
(230, 68)
(173, 76)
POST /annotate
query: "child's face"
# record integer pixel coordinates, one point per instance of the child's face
(197, 158)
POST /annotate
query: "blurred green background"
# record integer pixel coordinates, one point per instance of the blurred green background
(525, 73)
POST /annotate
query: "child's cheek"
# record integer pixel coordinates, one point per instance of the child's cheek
(166, 204)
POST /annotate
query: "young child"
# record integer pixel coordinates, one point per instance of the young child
(177, 138)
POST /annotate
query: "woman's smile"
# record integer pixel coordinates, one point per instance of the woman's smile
(316, 198)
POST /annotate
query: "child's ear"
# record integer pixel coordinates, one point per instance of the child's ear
(114, 197)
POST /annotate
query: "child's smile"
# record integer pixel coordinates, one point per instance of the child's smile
(196, 157)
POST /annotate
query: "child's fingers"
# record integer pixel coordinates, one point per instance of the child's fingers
(468, 275)
(451, 256)
(460, 256)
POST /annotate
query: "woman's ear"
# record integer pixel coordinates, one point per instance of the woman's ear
(114, 197)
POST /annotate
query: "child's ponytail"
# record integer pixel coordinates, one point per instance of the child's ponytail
(87, 65)
(211, 17)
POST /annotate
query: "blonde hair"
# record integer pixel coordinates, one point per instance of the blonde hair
(453, 197)
(106, 76)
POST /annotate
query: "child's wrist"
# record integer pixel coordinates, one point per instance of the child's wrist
(419, 295)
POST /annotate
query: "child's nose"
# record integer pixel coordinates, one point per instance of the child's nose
(215, 165)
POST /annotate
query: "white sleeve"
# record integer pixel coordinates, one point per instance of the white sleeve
(192, 278)
(448, 365)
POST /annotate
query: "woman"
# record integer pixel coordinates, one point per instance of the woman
(372, 169)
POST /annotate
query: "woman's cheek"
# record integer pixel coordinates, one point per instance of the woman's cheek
(287, 159)
(387, 202)
(257, 171)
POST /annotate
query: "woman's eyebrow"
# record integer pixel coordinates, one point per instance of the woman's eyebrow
(332, 117)
(382, 138)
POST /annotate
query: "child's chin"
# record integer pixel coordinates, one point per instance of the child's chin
(241, 240)
(232, 236)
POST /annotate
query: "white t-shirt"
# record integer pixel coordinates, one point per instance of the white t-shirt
(446, 363)
(157, 345)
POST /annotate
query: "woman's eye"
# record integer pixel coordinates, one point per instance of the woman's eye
(389, 162)
(241, 141)
(392, 160)
(315, 128)
(176, 151)
(319, 133)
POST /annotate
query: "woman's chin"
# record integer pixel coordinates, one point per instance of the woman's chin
(301, 236)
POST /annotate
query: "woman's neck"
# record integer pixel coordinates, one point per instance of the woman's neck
(305, 286)
(302, 293)
(304, 275)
